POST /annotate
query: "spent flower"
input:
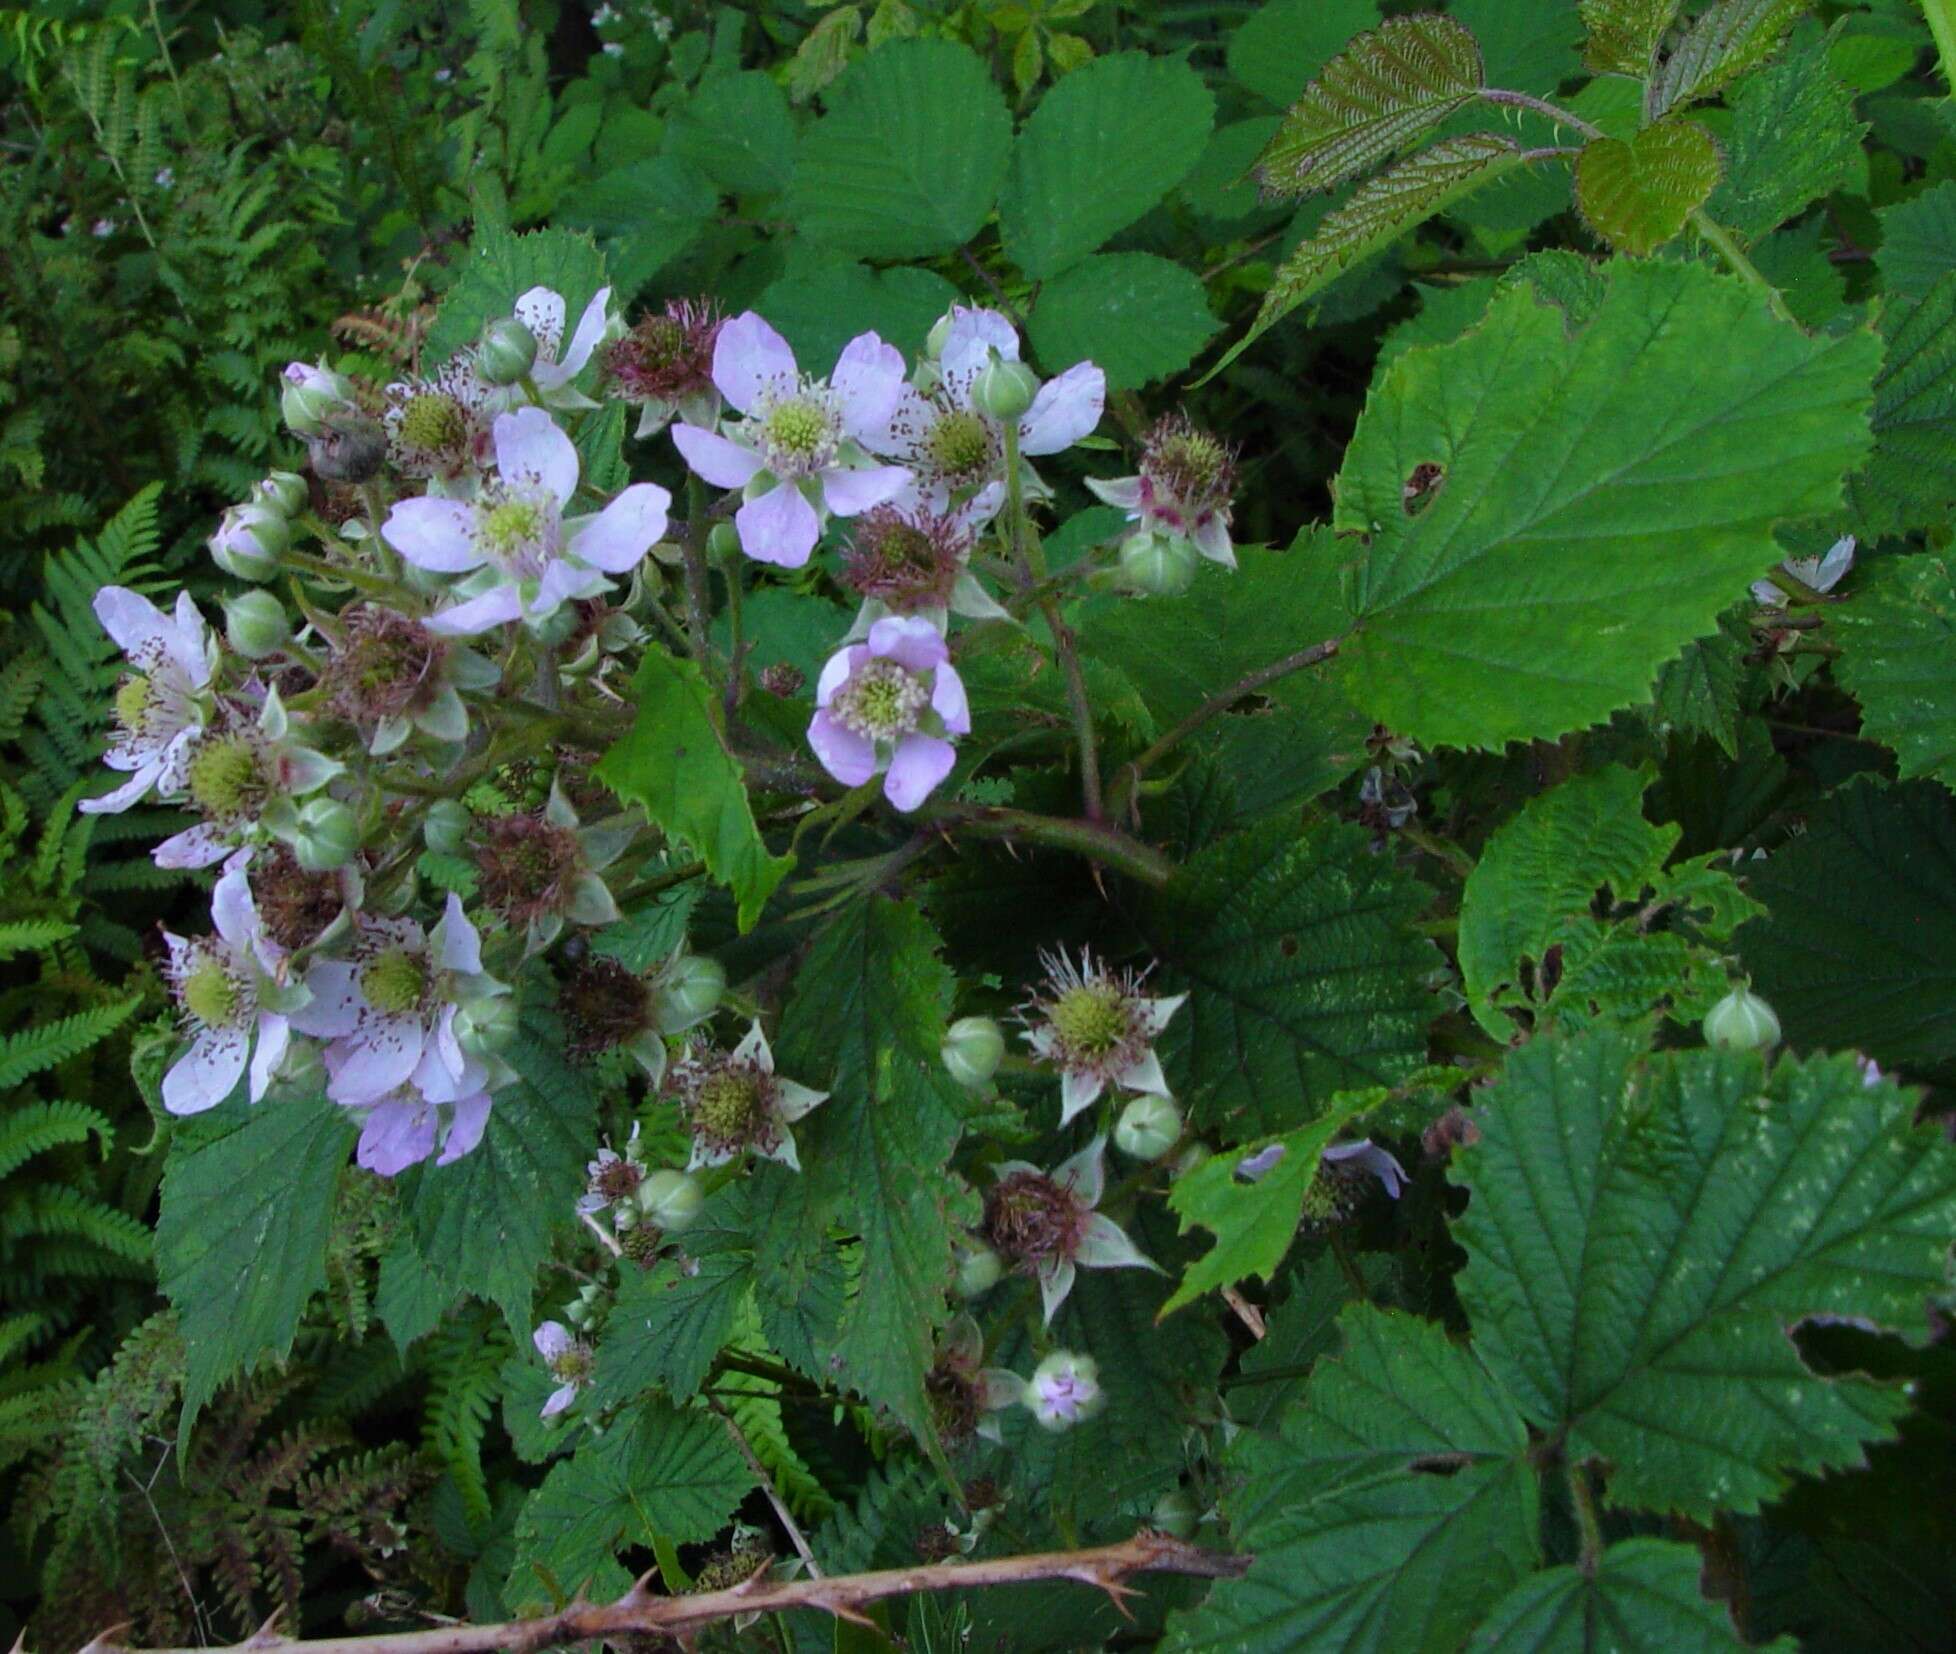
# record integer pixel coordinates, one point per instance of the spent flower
(1183, 489)
(1046, 1226)
(664, 366)
(570, 1361)
(734, 1102)
(1096, 1026)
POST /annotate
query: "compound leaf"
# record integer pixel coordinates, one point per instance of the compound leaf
(1794, 137)
(1724, 41)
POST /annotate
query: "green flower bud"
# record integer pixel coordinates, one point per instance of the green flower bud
(1741, 1021)
(445, 829)
(249, 542)
(972, 1049)
(311, 393)
(578, 1314)
(690, 992)
(1175, 1513)
(285, 492)
(670, 1199)
(723, 540)
(1148, 1128)
(1160, 565)
(255, 624)
(1004, 389)
(940, 333)
(978, 1271)
(507, 352)
(487, 1025)
(326, 835)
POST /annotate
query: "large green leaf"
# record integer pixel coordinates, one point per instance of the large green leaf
(1898, 659)
(1103, 147)
(820, 310)
(1910, 478)
(866, 1023)
(1624, 34)
(1642, 1597)
(1351, 1551)
(1138, 316)
(1725, 40)
(1603, 495)
(1305, 973)
(1386, 89)
(674, 765)
(1918, 242)
(1283, 46)
(499, 269)
(1859, 944)
(1793, 137)
(910, 156)
(646, 213)
(737, 129)
(1638, 193)
(1643, 1232)
(241, 1235)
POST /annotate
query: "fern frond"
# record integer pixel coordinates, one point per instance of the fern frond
(464, 1365)
(32, 935)
(56, 1211)
(36, 1127)
(32, 1050)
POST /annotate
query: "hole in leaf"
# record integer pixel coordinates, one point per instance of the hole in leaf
(1422, 484)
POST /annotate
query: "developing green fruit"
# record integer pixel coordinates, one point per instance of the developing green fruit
(690, 993)
(327, 835)
(973, 1047)
(723, 540)
(1148, 1128)
(485, 1026)
(670, 1199)
(978, 1271)
(1175, 1513)
(1741, 1021)
(507, 352)
(1161, 565)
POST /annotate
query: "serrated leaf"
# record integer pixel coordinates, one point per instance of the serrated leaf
(1305, 974)
(1638, 195)
(1138, 316)
(647, 214)
(820, 311)
(1351, 1551)
(1385, 89)
(1624, 34)
(910, 156)
(675, 767)
(1286, 43)
(1643, 1231)
(1699, 690)
(1858, 947)
(1898, 659)
(866, 1023)
(737, 129)
(1642, 1597)
(659, 1474)
(1103, 147)
(1793, 137)
(1380, 211)
(1254, 1223)
(1604, 496)
(1725, 40)
(499, 269)
(1910, 478)
(1918, 241)
(241, 1234)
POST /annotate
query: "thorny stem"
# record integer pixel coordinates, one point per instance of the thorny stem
(781, 1511)
(1104, 1567)
(1719, 239)
(1540, 106)
(1583, 1498)
(692, 548)
(1097, 840)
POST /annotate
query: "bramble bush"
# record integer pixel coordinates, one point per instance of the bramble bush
(1145, 795)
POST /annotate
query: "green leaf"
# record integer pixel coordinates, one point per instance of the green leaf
(1384, 90)
(1898, 659)
(499, 269)
(1793, 138)
(1592, 517)
(1526, 45)
(1287, 43)
(675, 767)
(909, 158)
(1638, 195)
(1724, 41)
(1918, 241)
(1624, 34)
(1643, 1232)
(647, 214)
(1700, 689)
(820, 311)
(866, 1023)
(1140, 317)
(1305, 974)
(241, 1235)
(1859, 944)
(1254, 1223)
(1910, 478)
(485, 1221)
(1103, 147)
(660, 1474)
(737, 130)
(1380, 211)
(1642, 1597)
(1351, 1551)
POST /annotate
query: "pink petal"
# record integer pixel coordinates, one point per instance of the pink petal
(470, 1120)
(542, 312)
(780, 527)
(1085, 1173)
(560, 1398)
(460, 945)
(748, 357)
(843, 753)
(868, 374)
(186, 644)
(377, 1057)
(397, 1135)
(1104, 1245)
(130, 618)
(724, 464)
(840, 667)
(1078, 1091)
(479, 614)
(849, 491)
(1066, 409)
(1055, 1282)
(590, 329)
(551, 1339)
(334, 1008)
(618, 537)
(232, 910)
(274, 1040)
(434, 534)
(947, 700)
(205, 1074)
(532, 451)
(913, 643)
(900, 436)
(971, 338)
(920, 762)
(563, 583)
(113, 803)
(1124, 493)
(198, 846)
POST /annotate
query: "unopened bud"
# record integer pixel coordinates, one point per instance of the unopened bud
(285, 492)
(487, 1025)
(445, 829)
(249, 542)
(1741, 1021)
(348, 447)
(723, 540)
(325, 836)
(978, 1271)
(973, 1047)
(312, 393)
(1161, 565)
(940, 333)
(255, 624)
(1175, 1513)
(670, 1199)
(1064, 1390)
(508, 351)
(690, 992)
(1148, 1128)
(1004, 389)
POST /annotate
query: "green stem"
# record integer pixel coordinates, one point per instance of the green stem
(1942, 24)
(1721, 241)
(372, 584)
(1582, 1497)
(1095, 840)
(1540, 106)
(692, 547)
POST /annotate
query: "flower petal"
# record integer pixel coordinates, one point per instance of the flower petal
(397, 1135)
(618, 537)
(972, 337)
(434, 534)
(274, 1040)
(495, 607)
(1144, 1074)
(465, 1129)
(205, 1074)
(918, 765)
(590, 329)
(531, 451)
(797, 1100)
(458, 944)
(1211, 538)
(551, 1339)
(780, 527)
(748, 358)
(1078, 1091)
(1121, 492)
(542, 312)
(377, 1057)
(1104, 1245)
(131, 619)
(712, 457)
(1055, 1282)
(1065, 410)
(849, 490)
(843, 753)
(901, 435)
(912, 643)
(334, 1008)
(560, 1398)
(868, 374)
(1085, 1173)
(837, 671)
(199, 846)
(132, 790)
(947, 700)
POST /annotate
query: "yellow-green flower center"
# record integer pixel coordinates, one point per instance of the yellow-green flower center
(223, 777)
(881, 702)
(959, 444)
(210, 993)
(1091, 1019)
(797, 429)
(572, 1365)
(394, 980)
(511, 526)
(132, 703)
(728, 1106)
(432, 421)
